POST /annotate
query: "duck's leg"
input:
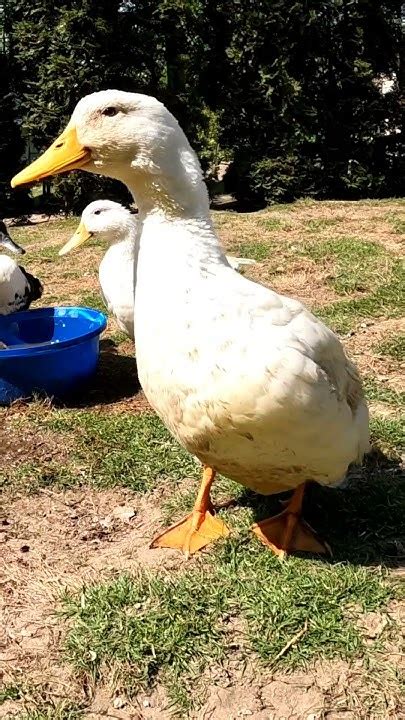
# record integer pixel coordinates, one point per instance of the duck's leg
(288, 531)
(197, 529)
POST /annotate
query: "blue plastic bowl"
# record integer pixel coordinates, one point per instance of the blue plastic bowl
(51, 351)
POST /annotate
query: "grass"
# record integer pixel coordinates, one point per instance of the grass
(93, 300)
(394, 347)
(142, 627)
(378, 392)
(236, 604)
(171, 629)
(397, 222)
(60, 711)
(9, 692)
(356, 265)
(254, 250)
(386, 301)
(316, 225)
(388, 433)
(134, 451)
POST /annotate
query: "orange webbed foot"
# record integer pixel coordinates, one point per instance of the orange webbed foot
(192, 533)
(289, 532)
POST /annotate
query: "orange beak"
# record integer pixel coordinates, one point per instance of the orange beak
(65, 154)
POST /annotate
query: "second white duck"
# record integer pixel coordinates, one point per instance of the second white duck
(110, 221)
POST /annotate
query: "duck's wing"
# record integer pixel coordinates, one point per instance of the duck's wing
(33, 289)
(18, 288)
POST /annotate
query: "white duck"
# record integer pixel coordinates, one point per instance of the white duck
(247, 380)
(110, 221)
(18, 288)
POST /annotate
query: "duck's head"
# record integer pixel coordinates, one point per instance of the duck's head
(127, 136)
(7, 242)
(105, 220)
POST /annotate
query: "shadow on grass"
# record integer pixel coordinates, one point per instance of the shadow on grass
(116, 379)
(364, 523)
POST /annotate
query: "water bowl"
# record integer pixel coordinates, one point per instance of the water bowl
(48, 351)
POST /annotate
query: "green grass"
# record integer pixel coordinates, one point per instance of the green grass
(378, 392)
(61, 711)
(387, 300)
(93, 300)
(168, 629)
(148, 626)
(316, 225)
(393, 347)
(10, 692)
(388, 433)
(357, 266)
(273, 224)
(254, 250)
(134, 451)
(397, 222)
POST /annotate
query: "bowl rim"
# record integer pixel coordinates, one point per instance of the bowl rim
(48, 348)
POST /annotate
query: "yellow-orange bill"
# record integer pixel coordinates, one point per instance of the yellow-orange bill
(80, 237)
(65, 154)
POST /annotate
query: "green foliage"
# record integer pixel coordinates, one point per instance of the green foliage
(288, 91)
(11, 143)
(303, 113)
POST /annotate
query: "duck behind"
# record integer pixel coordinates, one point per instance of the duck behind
(18, 288)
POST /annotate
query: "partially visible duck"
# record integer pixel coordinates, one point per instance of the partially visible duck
(18, 288)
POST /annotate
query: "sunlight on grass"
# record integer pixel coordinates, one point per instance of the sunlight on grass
(169, 628)
(93, 300)
(379, 392)
(129, 450)
(387, 300)
(273, 224)
(62, 711)
(397, 222)
(388, 433)
(356, 265)
(148, 626)
(315, 225)
(254, 250)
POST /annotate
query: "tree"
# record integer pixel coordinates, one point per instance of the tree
(303, 114)
(64, 49)
(11, 143)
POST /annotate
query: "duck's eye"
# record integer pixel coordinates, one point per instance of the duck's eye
(97, 212)
(110, 111)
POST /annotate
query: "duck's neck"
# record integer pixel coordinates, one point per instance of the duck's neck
(171, 184)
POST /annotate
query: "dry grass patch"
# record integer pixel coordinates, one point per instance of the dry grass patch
(51, 542)
(363, 346)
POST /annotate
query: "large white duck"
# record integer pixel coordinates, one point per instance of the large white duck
(110, 221)
(18, 288)
(247, 380)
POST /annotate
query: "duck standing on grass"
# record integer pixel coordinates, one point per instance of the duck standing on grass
(246, 379)
(18, 288)
(110, 221)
